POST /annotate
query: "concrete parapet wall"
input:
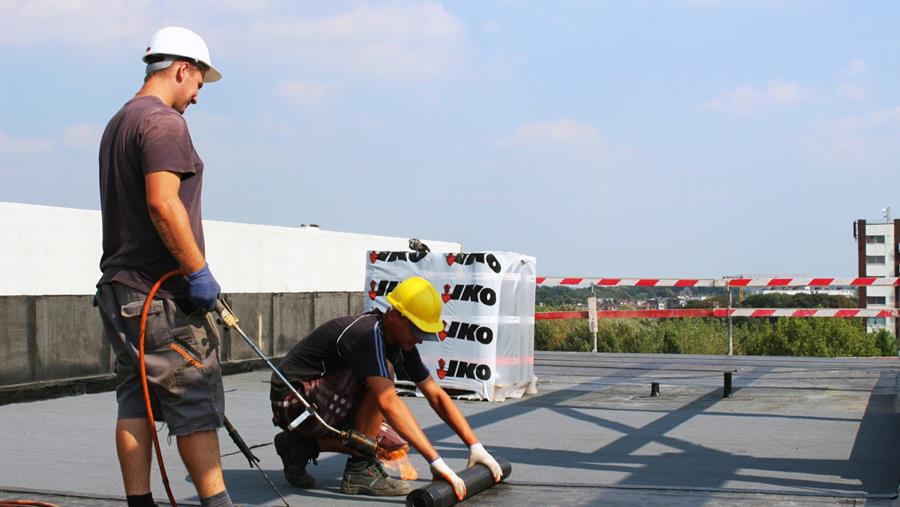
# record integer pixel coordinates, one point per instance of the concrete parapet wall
(59, 339)
(255, 314)
(16, 339)
(292, 316)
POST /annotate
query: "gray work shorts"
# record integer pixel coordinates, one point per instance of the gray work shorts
(181, 353)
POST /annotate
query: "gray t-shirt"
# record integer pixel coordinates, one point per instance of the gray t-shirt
(143, 137)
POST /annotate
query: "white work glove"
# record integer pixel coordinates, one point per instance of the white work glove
(440, 469)
(477, 454)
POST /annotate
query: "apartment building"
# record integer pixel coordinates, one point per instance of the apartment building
(877, 247)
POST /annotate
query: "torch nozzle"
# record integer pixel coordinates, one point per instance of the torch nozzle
(359, 442)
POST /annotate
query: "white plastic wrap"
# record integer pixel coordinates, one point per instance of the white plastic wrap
(487, 346)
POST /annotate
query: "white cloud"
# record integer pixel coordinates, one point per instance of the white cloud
(747, 99)
(83, 136)
(97, 24)
(562, 153)
(851, 91)
(867, 140)
(776, 5)
(490, 27)
(245, 5)
(306, 94)
(848, 87)
(24, 145)
(556, 133)
(75, 22)
(855, 68)
(865, 123)
(392, 41)
(401, 41)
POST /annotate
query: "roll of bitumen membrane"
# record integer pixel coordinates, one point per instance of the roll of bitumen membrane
(440, 494)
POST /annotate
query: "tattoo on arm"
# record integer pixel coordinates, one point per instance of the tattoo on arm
(166, 235)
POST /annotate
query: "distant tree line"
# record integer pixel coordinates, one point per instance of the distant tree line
(559, 296)
(818, 337)
(716, 297)
(776, 300)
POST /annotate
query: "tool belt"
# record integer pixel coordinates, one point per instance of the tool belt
(335, 397)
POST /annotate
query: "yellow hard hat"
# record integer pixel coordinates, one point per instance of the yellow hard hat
(416, 299)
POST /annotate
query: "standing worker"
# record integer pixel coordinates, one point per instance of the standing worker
(346, 366)
(150, 183)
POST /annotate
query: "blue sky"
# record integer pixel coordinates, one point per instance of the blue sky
(664, 138)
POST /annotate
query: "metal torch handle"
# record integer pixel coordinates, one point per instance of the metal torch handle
(230, 320)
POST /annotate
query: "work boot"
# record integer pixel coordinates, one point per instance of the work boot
(367, 477)
(295, 453)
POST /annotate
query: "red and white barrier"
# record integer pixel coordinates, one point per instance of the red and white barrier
(804, 312)
(549, 281)
(722, 313)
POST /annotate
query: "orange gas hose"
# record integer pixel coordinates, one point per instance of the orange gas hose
(17, 503)
(144, 312)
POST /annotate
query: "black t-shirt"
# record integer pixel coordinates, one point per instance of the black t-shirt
(145, 136)
(356, 342)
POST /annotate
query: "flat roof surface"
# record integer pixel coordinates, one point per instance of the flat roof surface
(797, 431)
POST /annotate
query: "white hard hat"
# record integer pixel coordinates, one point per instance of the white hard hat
(178, 41)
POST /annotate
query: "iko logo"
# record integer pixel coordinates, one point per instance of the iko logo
(381, 288)
(462, 369)
(476, 293)
(467, 259)
(466, 331)
(396, 256)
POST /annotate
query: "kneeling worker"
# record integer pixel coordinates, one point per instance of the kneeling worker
(346, 368)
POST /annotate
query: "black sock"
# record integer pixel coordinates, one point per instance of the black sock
(145, 500)
(356, 459)
(218, 500)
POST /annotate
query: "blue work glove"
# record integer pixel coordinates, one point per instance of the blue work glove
(203, 289)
